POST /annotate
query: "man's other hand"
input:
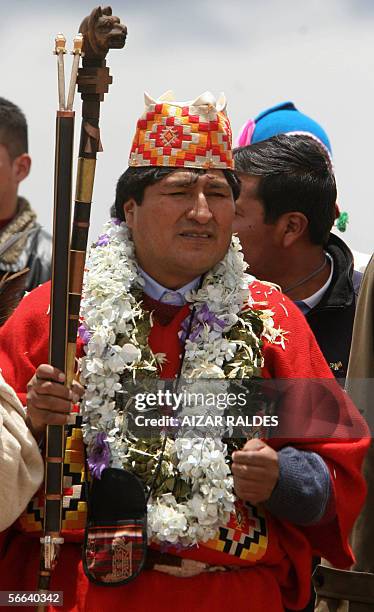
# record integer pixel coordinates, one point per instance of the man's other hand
(49, 402)
(256, 471)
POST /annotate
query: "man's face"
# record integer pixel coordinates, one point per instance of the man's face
(183, 226)
(257, 238)
(12, 172)
(6, 175)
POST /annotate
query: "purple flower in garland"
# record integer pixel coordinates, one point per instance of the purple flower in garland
(203, 317)
(102, 240)
(116, 221)
(99, 456)
(166, 547)
(84, 334)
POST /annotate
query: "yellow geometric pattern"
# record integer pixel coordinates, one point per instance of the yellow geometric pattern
(245, 535)
(169, 135)
(74, 506)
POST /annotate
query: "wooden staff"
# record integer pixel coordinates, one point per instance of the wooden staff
(55, 435)
(101, 31)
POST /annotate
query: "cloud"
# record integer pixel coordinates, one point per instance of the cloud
(318, 54)
(360, 8)
(162, 22)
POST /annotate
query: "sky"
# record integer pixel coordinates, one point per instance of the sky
(319, 54)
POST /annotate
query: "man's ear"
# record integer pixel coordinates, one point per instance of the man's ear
(21, 167)
(128, 209)
(291, 227)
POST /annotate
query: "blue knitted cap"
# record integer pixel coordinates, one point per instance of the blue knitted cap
(283, 119)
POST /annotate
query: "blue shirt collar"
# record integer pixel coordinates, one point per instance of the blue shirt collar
(174, 297)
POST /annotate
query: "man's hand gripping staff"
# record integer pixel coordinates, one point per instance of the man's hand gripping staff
(49, 400)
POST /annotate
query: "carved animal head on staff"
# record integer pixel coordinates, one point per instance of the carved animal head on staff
(102, 31)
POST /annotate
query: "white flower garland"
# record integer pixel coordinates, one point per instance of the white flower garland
(109, 309)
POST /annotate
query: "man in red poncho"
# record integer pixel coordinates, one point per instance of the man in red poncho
(166, 294)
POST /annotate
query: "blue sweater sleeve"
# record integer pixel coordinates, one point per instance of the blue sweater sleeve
(302, 494)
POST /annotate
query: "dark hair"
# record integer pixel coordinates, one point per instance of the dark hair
(296, 175)
(134, 181)
(13, 129)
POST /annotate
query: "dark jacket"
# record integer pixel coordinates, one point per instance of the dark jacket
(36, 255)
(332, 319)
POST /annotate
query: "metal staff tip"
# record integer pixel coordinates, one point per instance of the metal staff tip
(77, 52)
(60, 50)
(60, 42)
(78, 44)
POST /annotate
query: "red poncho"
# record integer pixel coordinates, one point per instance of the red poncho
(275, 566)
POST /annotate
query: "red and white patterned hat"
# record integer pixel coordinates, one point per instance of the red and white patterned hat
(193, 134)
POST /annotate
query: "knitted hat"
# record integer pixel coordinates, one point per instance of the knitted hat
(281, 119)
(286, 119)
(193, 134)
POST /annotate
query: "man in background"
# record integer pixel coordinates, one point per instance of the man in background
(25, 248)
(289, 194)
(285, 214)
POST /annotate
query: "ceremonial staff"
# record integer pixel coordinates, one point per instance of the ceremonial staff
(101, 31)
(55, 438)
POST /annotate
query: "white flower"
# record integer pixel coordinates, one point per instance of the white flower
(94, 366)
(166, 520)
(207, 370)
(130, 353)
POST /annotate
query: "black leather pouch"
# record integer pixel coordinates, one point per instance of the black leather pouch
(115, 544)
